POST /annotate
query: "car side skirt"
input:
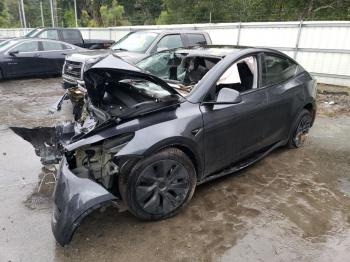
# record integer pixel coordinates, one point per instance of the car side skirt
(243, 164)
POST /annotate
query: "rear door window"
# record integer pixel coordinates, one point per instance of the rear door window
(51, 46)
(241, 76)
(32, 46)
(196, 39)
(71, 36)
(276, 69)
(169, 42)
(49, 34)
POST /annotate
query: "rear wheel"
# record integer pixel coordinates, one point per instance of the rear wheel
(301, 129)
(159, 186)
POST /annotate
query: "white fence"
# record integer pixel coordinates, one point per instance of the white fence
(323, 48)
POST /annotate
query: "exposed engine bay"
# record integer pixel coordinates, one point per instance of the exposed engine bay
(181, 71)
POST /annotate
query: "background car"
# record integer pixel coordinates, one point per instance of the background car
(21, 57)
(69, 35)
(133, 48)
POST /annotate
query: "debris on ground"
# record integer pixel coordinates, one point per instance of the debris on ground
(333, 101)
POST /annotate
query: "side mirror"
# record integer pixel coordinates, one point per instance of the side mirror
(13, 53)
(228, 96)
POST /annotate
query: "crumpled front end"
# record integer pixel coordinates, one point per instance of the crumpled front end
(74, 199)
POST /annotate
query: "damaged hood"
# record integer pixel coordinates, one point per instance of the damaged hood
(131, 57)
(88, 55)
(112, 68)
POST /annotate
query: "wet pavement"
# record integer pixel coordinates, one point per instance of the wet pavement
(293, 205)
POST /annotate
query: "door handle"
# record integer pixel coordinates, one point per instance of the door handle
(37, 55)
(63, 53)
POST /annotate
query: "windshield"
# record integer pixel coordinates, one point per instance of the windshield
(178, 67)
(7, 44)
(162, 64)
(136, 42)
(31, 33)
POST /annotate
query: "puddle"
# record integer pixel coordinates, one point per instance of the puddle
(41, 198)
(344, 185)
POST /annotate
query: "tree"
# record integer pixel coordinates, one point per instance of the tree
(84, 18)
(113, 13)
(69, 18)
(4, 15)
(198, 11)
(112, 16)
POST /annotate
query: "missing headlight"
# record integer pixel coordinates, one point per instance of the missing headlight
(95, 161)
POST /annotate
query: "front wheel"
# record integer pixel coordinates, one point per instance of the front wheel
(300, 129)
(159, 186)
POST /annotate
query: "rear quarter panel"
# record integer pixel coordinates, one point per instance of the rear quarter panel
(285, 101)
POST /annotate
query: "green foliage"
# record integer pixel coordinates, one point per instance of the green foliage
(69, 18)
(164, 18)
(93, 23)
(113, 15)
(4, 15)
(84, 18)
(6, 18)
(98, 13)
(199, 11)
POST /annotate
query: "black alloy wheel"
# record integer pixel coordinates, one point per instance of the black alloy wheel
(302, 129)
(162, 187)
(159, 186)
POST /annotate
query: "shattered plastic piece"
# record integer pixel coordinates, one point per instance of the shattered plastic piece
(46, 140)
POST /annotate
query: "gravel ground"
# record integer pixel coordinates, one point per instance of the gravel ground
(294, 205)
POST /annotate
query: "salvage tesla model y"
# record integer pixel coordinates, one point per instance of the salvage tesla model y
(148, 140)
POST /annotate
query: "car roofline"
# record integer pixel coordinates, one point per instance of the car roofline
(206, 49)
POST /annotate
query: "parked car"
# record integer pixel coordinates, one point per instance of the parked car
(69, 35)
(148, 141)
(133, 48)
(21, 57)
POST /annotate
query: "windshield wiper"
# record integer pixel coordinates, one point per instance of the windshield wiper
(120, 49)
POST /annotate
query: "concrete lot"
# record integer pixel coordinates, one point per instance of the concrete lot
(292, 206)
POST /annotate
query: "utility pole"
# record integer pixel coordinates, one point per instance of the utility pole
(54, 4)
(42, 13)
(20, 13)
(23, 15)
(75, 10)
(52, 16)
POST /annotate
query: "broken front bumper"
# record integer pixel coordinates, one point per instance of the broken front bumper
(74, 199)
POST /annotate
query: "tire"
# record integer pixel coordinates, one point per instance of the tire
(159, 186)
(300, 129)
(1, 75)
